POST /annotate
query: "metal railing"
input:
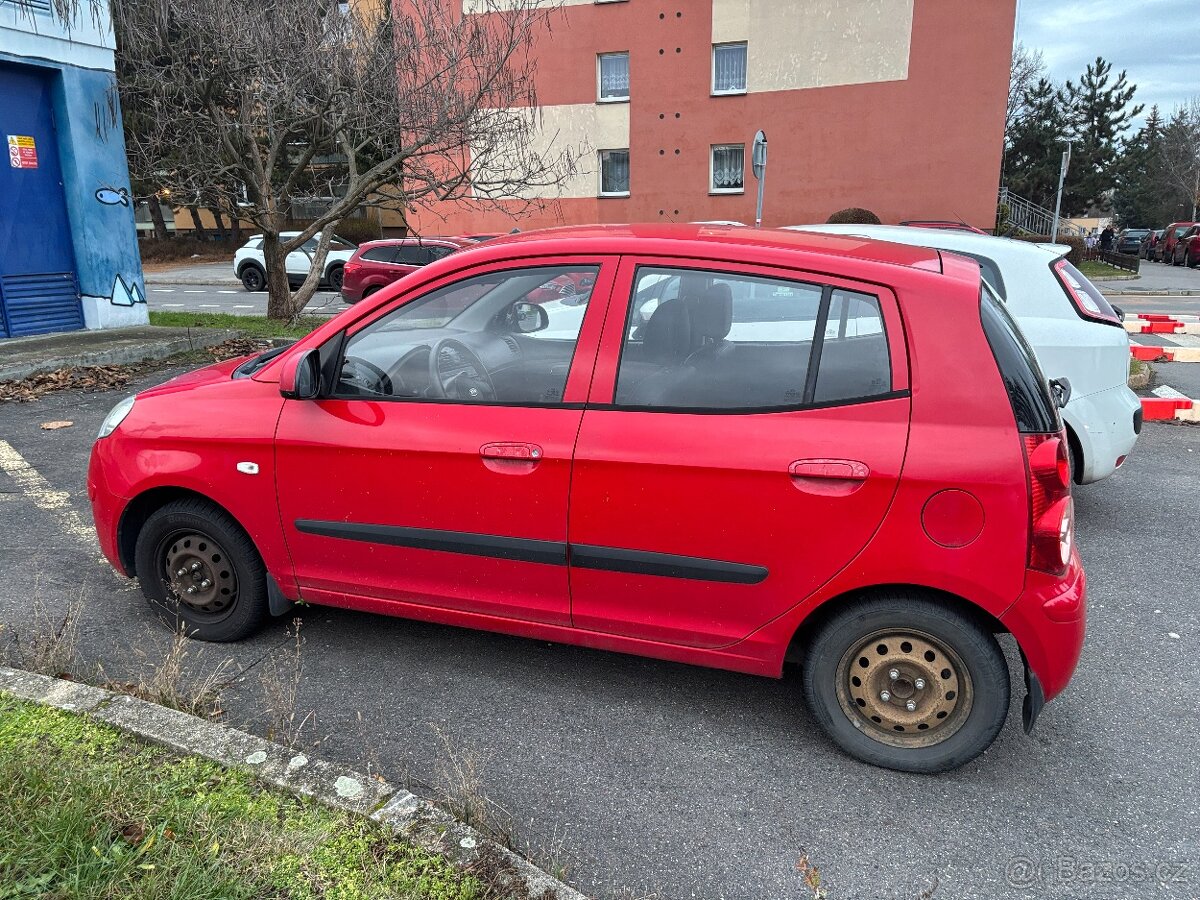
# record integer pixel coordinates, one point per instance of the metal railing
(1029, 218)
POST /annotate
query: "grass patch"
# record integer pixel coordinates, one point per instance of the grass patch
(1094, 268)
(90, 812)
(250, 326)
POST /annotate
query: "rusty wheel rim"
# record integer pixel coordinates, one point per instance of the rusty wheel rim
(904, 688)
(198, 573)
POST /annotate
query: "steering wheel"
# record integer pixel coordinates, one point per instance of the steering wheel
(469, 380)
(365, 376)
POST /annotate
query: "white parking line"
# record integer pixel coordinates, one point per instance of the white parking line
(209, 305)
(172, 304)
(243, 306)
(228, 292)
(43, 495)
(1168, 393)
(163, 290)
(195, 292)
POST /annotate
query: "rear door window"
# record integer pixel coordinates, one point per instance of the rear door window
(413, 255)
(1028, 390)
(380, 254)
(720, 341)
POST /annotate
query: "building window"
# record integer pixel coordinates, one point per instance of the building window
(613, 77)
(729, 69)
(727, 172)
(614, 173)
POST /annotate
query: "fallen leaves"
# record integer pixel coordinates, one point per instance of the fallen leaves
(107, 378)
(54, 426)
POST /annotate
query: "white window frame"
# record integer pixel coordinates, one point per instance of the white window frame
(600, 192)
(712, 186)
(712, 83)
(600, 98)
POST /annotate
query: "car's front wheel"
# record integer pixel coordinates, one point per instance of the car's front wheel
(253, 278)
(904, 682)
(201, 572)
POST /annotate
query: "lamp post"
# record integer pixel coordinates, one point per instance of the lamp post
(1062, 176)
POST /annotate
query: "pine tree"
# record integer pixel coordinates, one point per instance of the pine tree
(1141, 197)
(1099, 114)
(1035, 145)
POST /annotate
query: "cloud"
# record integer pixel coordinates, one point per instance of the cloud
(1157, 42)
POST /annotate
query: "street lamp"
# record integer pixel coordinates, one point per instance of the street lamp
(1062, 176)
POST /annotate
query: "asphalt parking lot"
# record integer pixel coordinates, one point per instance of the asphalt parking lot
(646, 778)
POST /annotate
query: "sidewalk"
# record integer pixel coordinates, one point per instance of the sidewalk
(22, 357)
(218, 273)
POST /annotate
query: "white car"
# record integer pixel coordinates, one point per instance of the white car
(1073, 330)
(251, 270)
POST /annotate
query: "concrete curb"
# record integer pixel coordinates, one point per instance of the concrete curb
(116, 353)
(1153, 292)
(417, 821)
(1097, 279)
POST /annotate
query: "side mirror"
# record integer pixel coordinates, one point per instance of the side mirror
(300, 378)
(1062, 391)
(526, 318)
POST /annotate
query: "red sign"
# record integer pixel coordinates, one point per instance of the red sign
(22, 151)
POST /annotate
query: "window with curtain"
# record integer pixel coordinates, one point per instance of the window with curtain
(614, 172)
(614, 76)
(729, 69)
(728, 168)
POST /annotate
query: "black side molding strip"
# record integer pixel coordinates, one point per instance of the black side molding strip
(586, 556)
(644, 562)
(520, 549)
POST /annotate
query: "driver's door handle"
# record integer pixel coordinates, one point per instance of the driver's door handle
(511, 457)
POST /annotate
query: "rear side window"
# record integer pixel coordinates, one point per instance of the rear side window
(413, 255)
(724, 342)
(990, 273)
(380, 254)
(1028, 391)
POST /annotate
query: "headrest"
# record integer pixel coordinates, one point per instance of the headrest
(712, 313)
(668, 336)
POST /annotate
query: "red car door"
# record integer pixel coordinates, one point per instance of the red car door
(436, 471)
(742, 443)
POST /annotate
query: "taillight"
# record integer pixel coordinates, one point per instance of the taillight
(1052, 512)
(1088, 301)
(352, 266)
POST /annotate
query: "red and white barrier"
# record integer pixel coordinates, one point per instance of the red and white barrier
(1169, 404)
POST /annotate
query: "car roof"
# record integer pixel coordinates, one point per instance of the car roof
(989, 245)
(664, 239)
(398, 242)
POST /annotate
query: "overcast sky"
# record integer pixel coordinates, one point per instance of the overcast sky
(1157, 42)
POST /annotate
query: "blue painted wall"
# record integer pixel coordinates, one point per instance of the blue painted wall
(91, 153)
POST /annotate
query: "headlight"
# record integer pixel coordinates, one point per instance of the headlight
(116, 417)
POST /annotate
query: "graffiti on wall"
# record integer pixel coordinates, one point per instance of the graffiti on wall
(110, 196)
(123, 294)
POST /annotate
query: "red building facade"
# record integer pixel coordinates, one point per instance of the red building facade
(893, 105)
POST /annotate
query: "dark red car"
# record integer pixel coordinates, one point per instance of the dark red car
(376, 264)
(1187, 248)
(747, 448)
(1171, 236)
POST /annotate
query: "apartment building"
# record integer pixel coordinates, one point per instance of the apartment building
(893, 105)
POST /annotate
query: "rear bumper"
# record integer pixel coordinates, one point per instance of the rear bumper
(1049, 621)
(1106, 424)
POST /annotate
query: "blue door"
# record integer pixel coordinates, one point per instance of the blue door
(38, 288)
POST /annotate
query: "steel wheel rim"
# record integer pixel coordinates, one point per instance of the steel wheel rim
(197, 573)
(904, 688)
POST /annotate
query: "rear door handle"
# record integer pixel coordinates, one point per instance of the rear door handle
(511, 450)
(830, 469)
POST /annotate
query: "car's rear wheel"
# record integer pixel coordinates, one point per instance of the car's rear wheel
(201, 572)
(253, 278)
(336, 276)
(904, 682)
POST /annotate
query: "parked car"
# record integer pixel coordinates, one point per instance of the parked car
(376, 264)
(1150, 244)
(1171, 234)
(1074, 330)
(250, 266)
(1130, 240)
(820, 449)
(1187, 248)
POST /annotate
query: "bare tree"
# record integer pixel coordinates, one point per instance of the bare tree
(257, 104)
(1027, 67)
(1180, 154)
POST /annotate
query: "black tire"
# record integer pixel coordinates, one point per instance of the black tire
(334, 277)
(237, 596)
(254, 278)
(977, 709)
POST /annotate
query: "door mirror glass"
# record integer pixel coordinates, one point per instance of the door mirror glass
(301, 376)
(526, 318)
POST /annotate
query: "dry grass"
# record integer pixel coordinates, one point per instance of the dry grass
(171, 682)
(50, 646)
(461, 793)
(280, 677)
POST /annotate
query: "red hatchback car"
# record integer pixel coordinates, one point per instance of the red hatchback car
(376, 264)
(745, 448)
